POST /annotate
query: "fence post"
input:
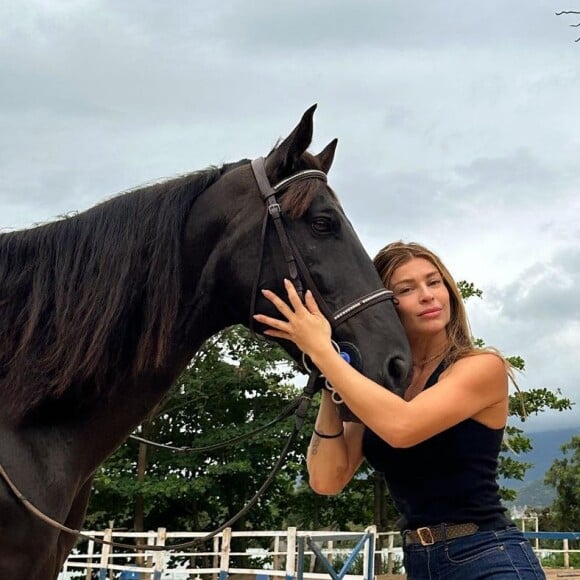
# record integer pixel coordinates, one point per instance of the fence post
(90, 550)
(566, 553)
(301, 542)
(276, 562)
(225, 553)
(215, 561)
(105, 551)
(290, 553)
(330, 548)
(159, 556)
(369, 553)
(148, 556)
(390, 553)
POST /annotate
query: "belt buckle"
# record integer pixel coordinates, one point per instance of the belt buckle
(430, 539)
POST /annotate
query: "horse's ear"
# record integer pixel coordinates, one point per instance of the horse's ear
(283, 160)
(326, 156)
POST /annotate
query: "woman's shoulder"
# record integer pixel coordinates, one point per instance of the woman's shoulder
(485, 376)
(486, 364)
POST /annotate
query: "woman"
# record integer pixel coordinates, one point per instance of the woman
(438, 447)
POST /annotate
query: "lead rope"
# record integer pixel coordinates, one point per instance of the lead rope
(300, 413)
(287, 412)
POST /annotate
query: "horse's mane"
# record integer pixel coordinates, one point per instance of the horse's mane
(65, 287)
(92, 298)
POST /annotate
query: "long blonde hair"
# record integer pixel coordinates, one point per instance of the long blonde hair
(459, 339)
(460, 343)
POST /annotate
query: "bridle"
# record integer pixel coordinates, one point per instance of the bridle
(300, 276)
(297, 270)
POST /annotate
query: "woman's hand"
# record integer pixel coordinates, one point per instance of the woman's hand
(305, 325)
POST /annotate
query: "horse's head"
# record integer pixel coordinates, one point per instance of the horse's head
(255, 253)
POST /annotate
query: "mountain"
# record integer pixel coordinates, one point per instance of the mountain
(546, 448)
(535, 494)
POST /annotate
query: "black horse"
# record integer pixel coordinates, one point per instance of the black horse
(100, 312)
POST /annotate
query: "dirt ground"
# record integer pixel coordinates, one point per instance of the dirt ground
(554, 574)
(551, 574)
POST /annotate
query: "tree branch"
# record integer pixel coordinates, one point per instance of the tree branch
(572, 25)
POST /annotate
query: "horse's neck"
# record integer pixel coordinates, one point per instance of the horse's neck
(205, 309)
(115, 417)
(201, 315)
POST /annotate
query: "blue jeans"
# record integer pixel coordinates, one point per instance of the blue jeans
(499, 554)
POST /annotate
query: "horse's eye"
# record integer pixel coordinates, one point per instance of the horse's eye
(322, 225)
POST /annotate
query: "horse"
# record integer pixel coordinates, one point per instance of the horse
(102, 310)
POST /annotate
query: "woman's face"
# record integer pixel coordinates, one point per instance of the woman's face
(424, 306)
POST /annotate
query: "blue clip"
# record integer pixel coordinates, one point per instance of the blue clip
(345, 356)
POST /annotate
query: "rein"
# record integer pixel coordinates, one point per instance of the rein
(283, 415)
(301, 406)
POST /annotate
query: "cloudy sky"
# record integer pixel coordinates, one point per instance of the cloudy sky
(457, 125)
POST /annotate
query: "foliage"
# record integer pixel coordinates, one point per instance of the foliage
(352, 509)
(556, 560)
(468, 290)
(521, 405)
(232, 380)
(564, 476)
(233, 385)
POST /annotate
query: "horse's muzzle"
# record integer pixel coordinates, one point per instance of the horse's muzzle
(396, 374)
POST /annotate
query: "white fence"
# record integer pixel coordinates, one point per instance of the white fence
(283, 554)
(290, 554)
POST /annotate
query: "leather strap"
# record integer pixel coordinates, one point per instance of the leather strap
(427, 536)
(361, 304)
(273, 211)
(299, 273)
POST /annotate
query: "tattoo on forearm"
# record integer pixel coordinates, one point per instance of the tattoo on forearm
(314, 445)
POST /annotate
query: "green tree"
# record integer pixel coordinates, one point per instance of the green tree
(521, 405)
(233, 385)
(352, 509)
(564, 476)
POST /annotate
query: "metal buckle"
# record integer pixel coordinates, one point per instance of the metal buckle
(424, 542)
(274, 209)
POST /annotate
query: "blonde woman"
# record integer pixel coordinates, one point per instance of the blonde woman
(438, 446)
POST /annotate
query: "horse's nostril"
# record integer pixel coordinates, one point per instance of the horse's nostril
(395, 370)
(397, 373)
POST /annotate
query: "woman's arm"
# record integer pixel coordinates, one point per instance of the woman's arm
(332, 461)
(470, 386)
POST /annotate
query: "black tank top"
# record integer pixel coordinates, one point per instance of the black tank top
(449, 478)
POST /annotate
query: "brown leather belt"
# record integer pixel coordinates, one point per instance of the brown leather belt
(428, 536)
